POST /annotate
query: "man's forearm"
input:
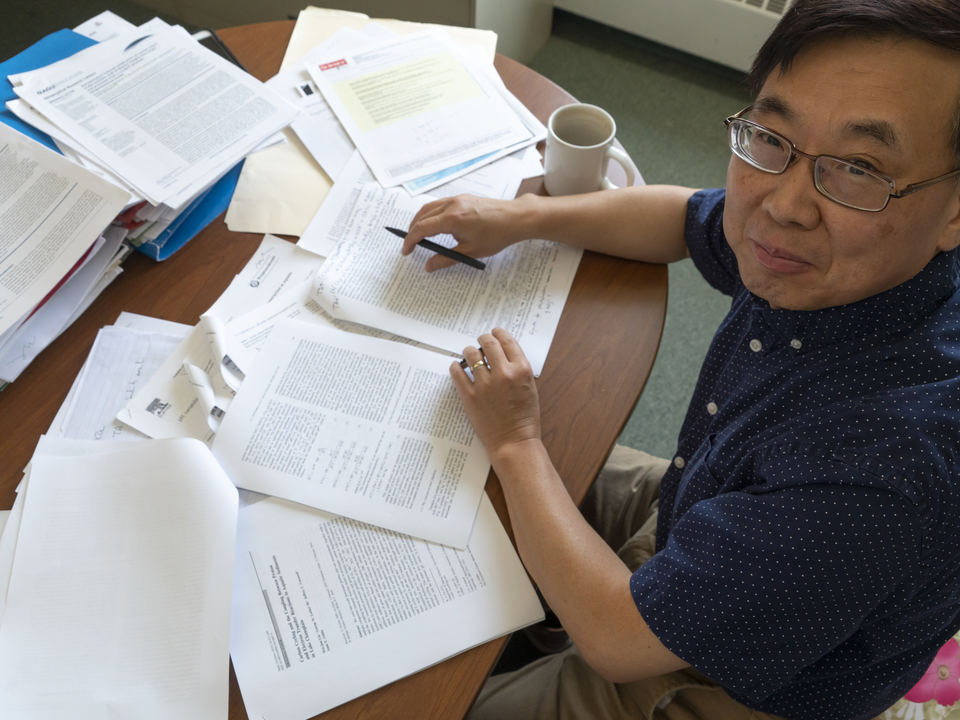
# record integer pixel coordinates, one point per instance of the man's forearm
(584, 581)
(639, 223)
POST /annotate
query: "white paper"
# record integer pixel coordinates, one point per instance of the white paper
(315, 24)
(532, 163)
(104, 26)
(162, 111)
(281, 189)
(244, 336)
(500, 180)
(275, 268)
(416, 105)
(51, 213)
(357, 426)
(8, 543)
(55, 315)
(167, 406)
(119, 364)
(119, 595)
(318, 127)
(328, 225)
(537, 131)
(366, 280)
(221, 347)
(66, 145)
(326, 609)
(130, 321)
(211, 405)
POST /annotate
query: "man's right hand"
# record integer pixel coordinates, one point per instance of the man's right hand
(481, 226)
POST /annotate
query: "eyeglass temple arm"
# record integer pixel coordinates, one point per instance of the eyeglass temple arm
(909, 189)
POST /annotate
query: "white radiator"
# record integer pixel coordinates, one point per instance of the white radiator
(728, 32)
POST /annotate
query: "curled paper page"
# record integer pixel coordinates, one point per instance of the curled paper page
(167, 405)
(220, 344)
(213, 406)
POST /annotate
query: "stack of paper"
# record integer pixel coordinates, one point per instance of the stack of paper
(445, 114)
(148, 122)
(154, 112)
(115, 583)
(53, 254)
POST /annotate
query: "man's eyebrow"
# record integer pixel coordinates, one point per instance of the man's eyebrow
(773, 105)
(880, 130)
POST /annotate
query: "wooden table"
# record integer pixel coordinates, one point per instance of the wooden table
(600, 360)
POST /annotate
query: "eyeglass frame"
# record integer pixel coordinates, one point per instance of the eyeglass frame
(795, 152)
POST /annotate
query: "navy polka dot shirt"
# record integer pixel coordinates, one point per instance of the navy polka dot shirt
(809, 529)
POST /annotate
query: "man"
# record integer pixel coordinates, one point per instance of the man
(807, 557)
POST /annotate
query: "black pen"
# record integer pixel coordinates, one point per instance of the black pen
(445, 251)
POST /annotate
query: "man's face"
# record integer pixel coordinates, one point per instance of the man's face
(890, 104)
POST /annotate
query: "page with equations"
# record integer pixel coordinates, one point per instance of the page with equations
(359, 426)
(326, 609)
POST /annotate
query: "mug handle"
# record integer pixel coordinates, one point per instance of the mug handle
(625, 162)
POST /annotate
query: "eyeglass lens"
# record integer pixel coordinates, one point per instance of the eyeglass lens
(839, 180)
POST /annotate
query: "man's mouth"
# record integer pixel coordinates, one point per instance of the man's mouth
(778, 260)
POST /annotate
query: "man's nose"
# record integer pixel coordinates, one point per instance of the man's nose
(792, 198)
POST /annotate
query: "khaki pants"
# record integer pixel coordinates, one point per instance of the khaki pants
(622, 507)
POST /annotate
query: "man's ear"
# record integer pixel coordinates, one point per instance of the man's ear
(950, 236)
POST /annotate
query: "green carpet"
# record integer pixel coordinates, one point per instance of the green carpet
(669, 109)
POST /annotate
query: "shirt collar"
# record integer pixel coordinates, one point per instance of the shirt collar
(905, 304)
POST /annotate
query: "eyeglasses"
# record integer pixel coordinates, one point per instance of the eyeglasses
(843, 181)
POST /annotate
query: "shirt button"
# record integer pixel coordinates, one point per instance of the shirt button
(679, 462)
(712, 408)
(796, 344)
(756, 345)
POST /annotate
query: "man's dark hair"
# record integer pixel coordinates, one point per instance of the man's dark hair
(808, 21)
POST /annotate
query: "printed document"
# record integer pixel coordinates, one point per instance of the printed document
(119, 597)
(241, 339)
(276, 267)
(326, 609)
(357, 426)
(365, 280)
(317, 127)
(416, 105)
(129, 321)
(51, 212)
(499, 180)
(165, 113)
(119, 364)
(281, 188)
(58, 311)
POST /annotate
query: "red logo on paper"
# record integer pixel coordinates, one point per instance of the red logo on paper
(329, 65)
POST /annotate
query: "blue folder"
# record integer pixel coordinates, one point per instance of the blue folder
(200, 213)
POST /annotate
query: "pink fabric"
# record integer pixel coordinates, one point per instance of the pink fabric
(941, 682)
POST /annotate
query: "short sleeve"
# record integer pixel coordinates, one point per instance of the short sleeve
(706, 242)
(752, 589)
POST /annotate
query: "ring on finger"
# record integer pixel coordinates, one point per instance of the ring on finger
(477, 364)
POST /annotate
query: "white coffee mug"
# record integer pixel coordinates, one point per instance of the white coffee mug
(579, 147)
